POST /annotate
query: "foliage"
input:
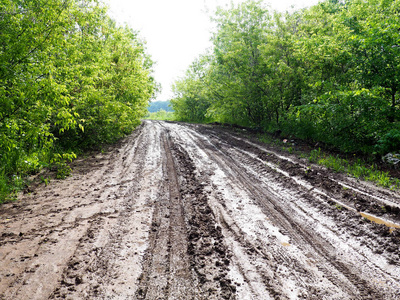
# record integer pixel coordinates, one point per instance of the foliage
(358, 169)
(69, 79)
(329, 73)
(389, 142)
(161, 115)
(191, 96)
(236, 72)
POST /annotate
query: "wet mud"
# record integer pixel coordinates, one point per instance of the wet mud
(181, 211)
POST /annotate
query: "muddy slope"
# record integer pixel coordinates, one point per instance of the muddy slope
(181, 211)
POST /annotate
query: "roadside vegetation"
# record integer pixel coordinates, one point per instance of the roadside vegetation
(161, 115)
(327, 74)
(358, 166)
(70, 80)
(160, 110)
(155, 106)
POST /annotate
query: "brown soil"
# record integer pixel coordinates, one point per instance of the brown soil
(179, 211)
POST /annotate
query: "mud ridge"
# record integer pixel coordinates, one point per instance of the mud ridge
(203, 248)
(185, 211)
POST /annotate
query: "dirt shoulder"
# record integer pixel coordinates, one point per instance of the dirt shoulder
(179, 211)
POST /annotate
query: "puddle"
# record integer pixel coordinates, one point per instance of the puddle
(391, 225)
(387, 202)
(377, 220)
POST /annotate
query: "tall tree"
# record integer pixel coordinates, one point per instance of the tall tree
(237, 73)
(191, 95)
(69, 78)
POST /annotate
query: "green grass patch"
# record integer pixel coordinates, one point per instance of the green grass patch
(161, 115)
(267, 139)
(9, 187)
(5, 188)
(358, 169)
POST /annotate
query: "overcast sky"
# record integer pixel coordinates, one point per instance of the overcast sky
(177, 31)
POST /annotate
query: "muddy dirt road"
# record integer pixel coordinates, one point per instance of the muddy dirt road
(181, 211)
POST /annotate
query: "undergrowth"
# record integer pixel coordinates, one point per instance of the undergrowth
(31, 164)
(358, 169)
(161, 115)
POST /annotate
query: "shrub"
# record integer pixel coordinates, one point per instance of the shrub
(390, 142)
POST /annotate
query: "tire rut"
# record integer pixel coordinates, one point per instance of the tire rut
(180, 211)
(339, 273)
(186, 246)
(167, 268)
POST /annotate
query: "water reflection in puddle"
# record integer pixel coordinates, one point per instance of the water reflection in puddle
(391, 225)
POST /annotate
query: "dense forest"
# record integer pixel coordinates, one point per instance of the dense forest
(328, 73)
(70, 79)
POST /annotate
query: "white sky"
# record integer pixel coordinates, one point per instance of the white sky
(177, 31)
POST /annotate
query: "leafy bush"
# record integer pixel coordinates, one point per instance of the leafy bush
(161, 115)
(4, 188)
(329, 73)
(390, 142)
(69, 81)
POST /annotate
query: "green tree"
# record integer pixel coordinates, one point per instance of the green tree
(328, 73)
(69, 79)
(283, 80)
(237, 73)
(191, 98)
(347, 53)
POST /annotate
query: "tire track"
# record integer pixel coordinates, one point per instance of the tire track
(106, 263)
(340, 274)
(179, 211)
(167, 266)
(186, 248)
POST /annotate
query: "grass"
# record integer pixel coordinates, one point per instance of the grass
(267, 139)
(4, 188)
(358, 169)
(9, 187)
(161, 115)
(339, 207)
